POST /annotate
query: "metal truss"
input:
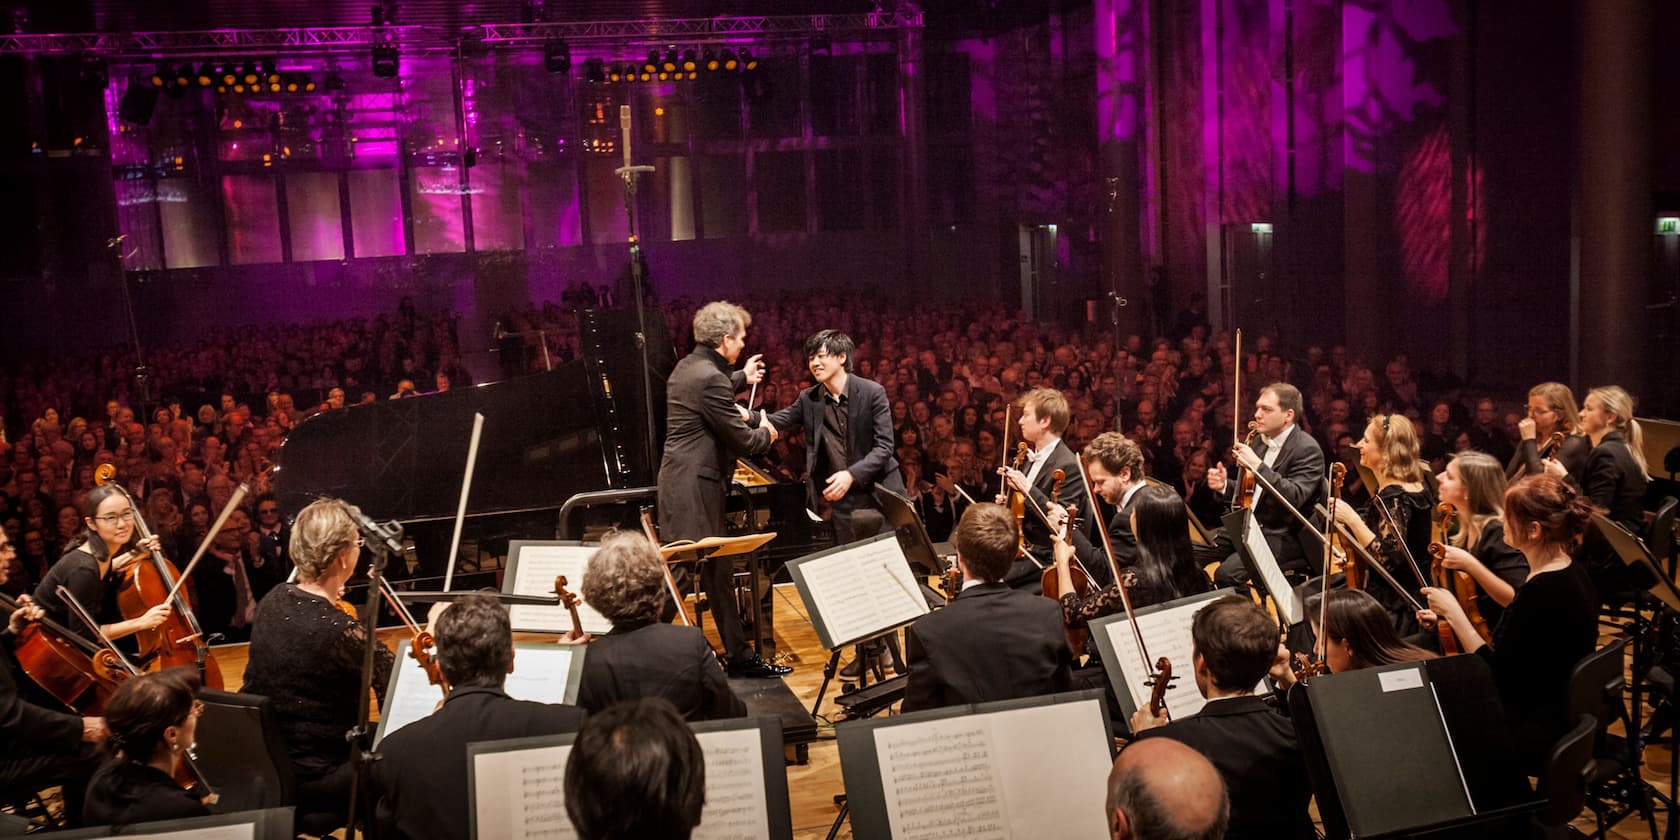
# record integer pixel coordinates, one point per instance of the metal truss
(313, 39)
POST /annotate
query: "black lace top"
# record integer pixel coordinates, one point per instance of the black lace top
(306, 658)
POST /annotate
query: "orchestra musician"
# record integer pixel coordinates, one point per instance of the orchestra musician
(643, 656)
(1613, 479)
(635, 770)
(420, 781)
(1550, 625)
(1164, 568)
(92, 568)
(1390, 449)
(1160, 788)
(306, 655)
(1044, 416)
(1247, 739)
(992, 642)
(153, 720)
(704, 431)
(1474, 484)
(1357, 633)
(40, 744)
(1294, 464)
(1551, 409)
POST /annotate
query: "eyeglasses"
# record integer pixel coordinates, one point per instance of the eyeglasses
(114, 518)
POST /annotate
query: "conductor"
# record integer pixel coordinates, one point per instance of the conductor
(704, 432)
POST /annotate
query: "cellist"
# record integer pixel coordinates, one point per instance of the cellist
(92, 568)
(40, 745)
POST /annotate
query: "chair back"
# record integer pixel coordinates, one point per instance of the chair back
(1595, 686)
(1568, 773)
(242, 753)
(1660, 539)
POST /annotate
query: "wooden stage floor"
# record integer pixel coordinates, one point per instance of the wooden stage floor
(813, 786)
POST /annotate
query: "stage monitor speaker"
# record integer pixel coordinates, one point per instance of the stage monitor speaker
(138, 103)
(1418, 747)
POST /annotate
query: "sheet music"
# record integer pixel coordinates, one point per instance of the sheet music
(409, 697)
(240, 831)
(541, 675)
(534, 575)
(862, 590)
(735, 807)
(1036, 772)
(1288, 601)
(519, 794)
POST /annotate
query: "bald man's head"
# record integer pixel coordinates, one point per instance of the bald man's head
(1161, 789)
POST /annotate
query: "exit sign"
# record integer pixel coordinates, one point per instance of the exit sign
(1266, 227)
(1668, 225)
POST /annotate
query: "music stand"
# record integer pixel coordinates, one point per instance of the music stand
(719, 548)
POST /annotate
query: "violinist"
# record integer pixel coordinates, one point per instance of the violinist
(1551, 410)
(1549, 626)
(1163, 568)
(39, 744)
(92, 568)
(643, 656)
(1294, 464)
(154, 722)
(306, 655)
(1474, 484)
(421, 778)
(1044, 416)
(1613, 479)
(1248, 740)
(1390, 449)
(1357, 633)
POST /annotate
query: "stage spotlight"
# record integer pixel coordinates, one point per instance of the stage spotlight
(184, 75)
(729, 62)
(308, 85)
(557, 57)
(385, 60)
(227, 73)
(693, 74)
(238, 87)
(652, 64)
(615, 74)
(689, 61)
(269, 74)
(821, 44)
(664, 76)
(294, 84)
(206, 75)
(248, 75)
(747, 60)
(669, 65)
(160, 77)
(645, 75)
(594, 71)
(710, 57)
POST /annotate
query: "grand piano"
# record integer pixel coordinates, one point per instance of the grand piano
(547, 436)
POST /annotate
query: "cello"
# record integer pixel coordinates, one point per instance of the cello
(72, 670)
(153, 580)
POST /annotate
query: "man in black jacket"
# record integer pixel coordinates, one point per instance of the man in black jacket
(848, 436)
(992, 642)
(39, 746)
(1246, 738)
(421, 775)
(704, 431)
(1291, 461)
(1044, 416)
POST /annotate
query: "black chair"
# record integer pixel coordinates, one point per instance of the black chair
(25, 810)
(1614, 787)
(1660, 537)
(243, 755)
(1568, 774)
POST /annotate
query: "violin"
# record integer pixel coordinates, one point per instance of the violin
(422, 647)
(1158, 685)
(153, 580)
(1553, 441)
(1460, 585)
(1245, 488)
(1050, 579)
(1017, 499)
(571, 601)
(1339, 545)
(1306, 668)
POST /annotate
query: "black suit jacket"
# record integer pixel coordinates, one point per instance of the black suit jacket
(1613, 481)
(658, 660)
(1038, 536)
(869, 427)
(703, 435)
(1255, 750)
(1298, 475)
(420, 778)
(990, 643)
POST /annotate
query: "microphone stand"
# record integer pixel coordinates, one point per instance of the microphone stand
(629, 173)
(142, 385)
(382, 540)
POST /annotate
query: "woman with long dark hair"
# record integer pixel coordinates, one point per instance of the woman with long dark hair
(1165, 569)
(1357, 633)
(153, 720)
(92, 566)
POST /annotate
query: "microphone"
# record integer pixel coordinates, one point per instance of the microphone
(387, 533)
(624, 132)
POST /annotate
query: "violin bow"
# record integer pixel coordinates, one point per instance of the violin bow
(1114, 565)
(461, 509)
(1394, 528)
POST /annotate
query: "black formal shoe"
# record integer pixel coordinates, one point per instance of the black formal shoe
(757, 667)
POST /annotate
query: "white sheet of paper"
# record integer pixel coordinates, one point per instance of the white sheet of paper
(1166, 632)
(538, 566)
(242, 831)
(519, 794)
(1283, 594)
(863, 590)
(539, 675)
(1035, 772)
(735, 808)
(414, 699)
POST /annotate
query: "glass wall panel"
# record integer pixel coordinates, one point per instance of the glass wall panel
(253, 219)
(779, 182)
(375, 213)
(723, 195)
(313, 211)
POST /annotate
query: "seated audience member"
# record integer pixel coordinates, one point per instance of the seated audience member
(153, 720)
(421, 777)
(642, 656)
(992, 642)
(1252, 744)
(636, 770)
(1160, 789)
(39, 745)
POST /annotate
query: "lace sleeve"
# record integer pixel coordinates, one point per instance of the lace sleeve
(346, 654)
